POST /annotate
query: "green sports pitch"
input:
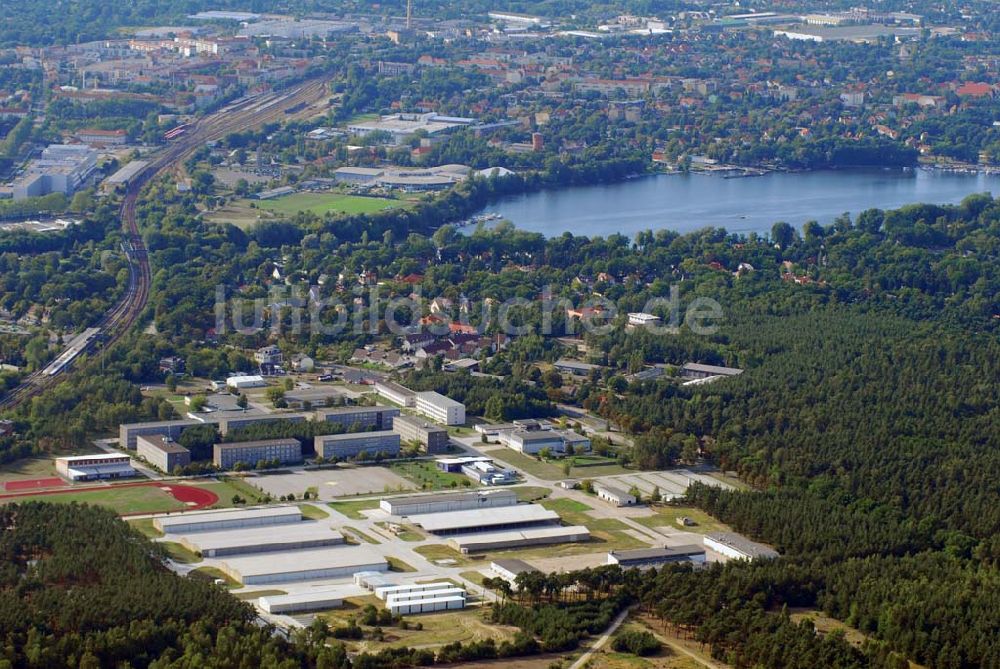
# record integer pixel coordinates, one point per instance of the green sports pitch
(323, 203)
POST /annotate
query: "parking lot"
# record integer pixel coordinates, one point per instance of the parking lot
(330, 484)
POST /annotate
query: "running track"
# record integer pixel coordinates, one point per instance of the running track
(194, 498)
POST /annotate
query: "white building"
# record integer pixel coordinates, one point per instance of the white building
(640, 319)
(614, 495)
(90, 467)
(313, 600)
(208, 521)
(459, 501)
(62, 168)
(738, 547)
(245, 381)
(439, 408)
(396, 393)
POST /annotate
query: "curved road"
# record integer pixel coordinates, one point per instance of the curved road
(242, 115)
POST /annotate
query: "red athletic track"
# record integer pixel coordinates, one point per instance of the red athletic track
(199, 498)
(34, 484)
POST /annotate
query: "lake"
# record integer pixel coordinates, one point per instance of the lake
(687, 202)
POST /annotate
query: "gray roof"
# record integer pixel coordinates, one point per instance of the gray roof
(712, 369)
(743, 545)
(664, 553)
(612, 490)
(514, 566)
(450, 497)
(263, 442)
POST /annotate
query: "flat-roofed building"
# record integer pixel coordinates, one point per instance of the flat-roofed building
(384, 443)
(439, 503)
(234, 423)
(98, 137)
(440, 408)
(313, 397)
(285, 451)
(614, 495)
(475, 520)
(360, 418)
(696, 370)
(531, 443)
(575, 367)
(396, 393)
(162, 452)
(320, 599)
(479, 542)
(395, 589)
(225, 519)
(641, 319)
(447, 590)
(304, 565)
(357, 175)
(92, 467)
(428, 605)
(738, 547)
(433, 438)
(265, 539)
(648, 558)
(128, 432)
(509, 569)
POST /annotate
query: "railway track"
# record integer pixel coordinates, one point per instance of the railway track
(119, 320)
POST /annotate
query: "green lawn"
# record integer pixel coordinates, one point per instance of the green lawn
(179, 553)
(210, 574)
(428, 477)
(395, 564)
(254, 594)
(229, 486)
(529, 493)
(323, 203)
(121, 499)
(311, 512)
(353, 509)
(570, 510)
(145, 526)
(407, 533)
(358, 534)
(668, 515)
(435, 552)
(552, 470)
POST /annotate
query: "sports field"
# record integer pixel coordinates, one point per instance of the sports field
(322, 203)
(128, 499)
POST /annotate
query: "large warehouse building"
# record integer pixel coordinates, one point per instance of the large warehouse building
(500, 518)
(479, 542)
(347, 446)
(211, 521)
(439, 408)
(738, 547)
(458, 501)
(243, 541)
(313, 600)
(647, 558)
(303, 565)
(285, 451)
(433, 438)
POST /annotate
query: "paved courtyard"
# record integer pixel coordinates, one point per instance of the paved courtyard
(332, 483)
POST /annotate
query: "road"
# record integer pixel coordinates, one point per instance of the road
(119, 320)
(615, 624)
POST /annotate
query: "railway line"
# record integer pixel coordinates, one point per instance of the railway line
(241, 115)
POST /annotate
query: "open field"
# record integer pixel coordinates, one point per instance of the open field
(666, 516)
(332, 483)
(395, 564)
(439, 629)
(428, 477)
(528, 493)
(324, 203)
(353, 509)
(408, 533)
(358, 535)
(226, 488)
(121, 499)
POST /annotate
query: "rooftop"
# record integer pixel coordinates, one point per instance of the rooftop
(745, 546)
(513, 566)
(261, 536)
(664, 553)
(292, 513)
(163, 443)
(305, 560)
(257, 444)
(472, 519)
